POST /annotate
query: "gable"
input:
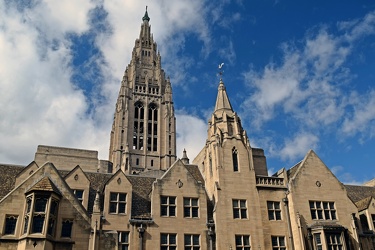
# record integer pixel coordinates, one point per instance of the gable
(312, 172)
(26, 172)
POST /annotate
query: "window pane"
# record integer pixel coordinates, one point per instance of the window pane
(243, 203)
(188, 239)
(172, 211)
(194, 202)
(113, 207)
(186, 201)
(121, 208)
(10, 224)
(172, 200)
(172, 239)
(40, 204)
(164, 239)
(113, 196)
(195, 240)
(38, 222)
(122, 197)
(164, 200)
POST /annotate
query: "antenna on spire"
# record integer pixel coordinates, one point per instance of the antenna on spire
(146, 7)
(221, 71)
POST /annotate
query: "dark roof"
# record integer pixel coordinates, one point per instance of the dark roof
(357, 193)
(291, 172)
(194, 171)
(141, 203)
(8, 178)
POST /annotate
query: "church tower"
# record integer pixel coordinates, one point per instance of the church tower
(143, 133)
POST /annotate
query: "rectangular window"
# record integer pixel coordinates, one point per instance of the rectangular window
(117, 203)
(123, 240)
(192, 242)
(168, 241)
(66, 229)
(168, 206)
(322, 210)
(10, 224)
(79, 194)
(334, 241)
(239, 209)
(191, 207)
(278, 243)
(242, 242)
(274, 210)
(318, 242)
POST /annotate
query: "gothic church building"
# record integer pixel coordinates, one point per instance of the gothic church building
(144, 197)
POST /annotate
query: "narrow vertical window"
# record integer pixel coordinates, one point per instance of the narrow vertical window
(123, 240)
(318, 242)
(138, 126)
(235, 159)
(152, 127)
(66, 229)
(10, 224)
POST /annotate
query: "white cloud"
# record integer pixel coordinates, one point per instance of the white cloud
(362, 118)
(40, 102)
(191, 134)
(297, 147)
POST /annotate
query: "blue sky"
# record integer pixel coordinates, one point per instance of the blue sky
(299, 73)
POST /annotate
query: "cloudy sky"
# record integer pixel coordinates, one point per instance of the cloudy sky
(300, 74)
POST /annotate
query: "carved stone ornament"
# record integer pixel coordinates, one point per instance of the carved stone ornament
(76, 177)
(179, 183)
(318, 184)
(119, 181)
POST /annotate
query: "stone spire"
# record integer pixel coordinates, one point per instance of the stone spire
(222, 100)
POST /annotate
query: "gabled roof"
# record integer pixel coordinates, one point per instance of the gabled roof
(45, 184)
(8, 178)
(358, 193)
(195, 172)
(141, 202)
(364, 203)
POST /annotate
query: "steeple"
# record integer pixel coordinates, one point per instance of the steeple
(143, 134)
(222, 100)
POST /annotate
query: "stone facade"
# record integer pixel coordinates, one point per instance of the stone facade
(145, 198)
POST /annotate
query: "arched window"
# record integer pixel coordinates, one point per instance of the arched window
(235, 159)
(152, 128)
(138, 126)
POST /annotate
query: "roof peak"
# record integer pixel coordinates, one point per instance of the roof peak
(146, 17)
(222, 100)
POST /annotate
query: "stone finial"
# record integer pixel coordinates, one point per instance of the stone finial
(184, 158)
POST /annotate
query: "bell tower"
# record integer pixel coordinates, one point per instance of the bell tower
(143, 135)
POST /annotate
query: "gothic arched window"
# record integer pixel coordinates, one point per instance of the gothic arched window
(152, 128)
(235, 159)
(138, 126)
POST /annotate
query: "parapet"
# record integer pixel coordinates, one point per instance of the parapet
(67, 158)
